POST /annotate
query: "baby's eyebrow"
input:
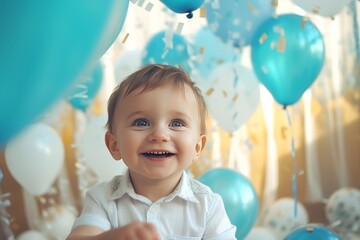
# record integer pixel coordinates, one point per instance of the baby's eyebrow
(131, 115)
(182, 114)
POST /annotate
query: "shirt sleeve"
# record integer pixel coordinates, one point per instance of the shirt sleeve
(218, 225)
(94, 213)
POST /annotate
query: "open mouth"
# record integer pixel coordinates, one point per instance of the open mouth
(158, 154)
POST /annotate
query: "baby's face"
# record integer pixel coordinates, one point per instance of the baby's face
(157, 132)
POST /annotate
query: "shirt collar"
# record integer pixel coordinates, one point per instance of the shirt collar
(121, 185)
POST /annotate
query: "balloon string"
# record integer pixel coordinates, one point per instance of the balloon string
(356, 29)
(236, 78)
(294, 173)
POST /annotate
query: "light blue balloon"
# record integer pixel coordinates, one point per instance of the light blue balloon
(83, 92)
(183, 6)
(236, 21)
(290, 58)
(239, 196)
(166, 47)
(311, 232)
(215, 52)
(45, 46)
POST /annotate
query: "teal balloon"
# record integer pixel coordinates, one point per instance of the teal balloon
(83, 92)
(290, 57)
(183, 6)
(166, 47)
(311, 232)
(236, 21)
(45, 46)
(239, 196)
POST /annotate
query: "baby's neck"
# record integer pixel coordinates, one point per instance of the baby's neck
(154, 189)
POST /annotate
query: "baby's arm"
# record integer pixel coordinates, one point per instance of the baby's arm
(132, 231)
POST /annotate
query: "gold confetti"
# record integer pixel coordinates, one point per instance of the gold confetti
(160, 66)
(224, 93)
(253, 139)
(125, 38)
(303, 22)
(201, 51)
(58, 209)
(283, 132)
(263, 38)
(234, 98)
(209, 91)
(220, 61)
(203, 12)
(316, 10)
(275, 3)
(251, 7)
(79, 165)
(281, 45)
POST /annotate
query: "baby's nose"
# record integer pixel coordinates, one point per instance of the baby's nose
(159, 134)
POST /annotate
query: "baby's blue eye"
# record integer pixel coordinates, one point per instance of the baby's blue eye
(177, 123)
(141, 122)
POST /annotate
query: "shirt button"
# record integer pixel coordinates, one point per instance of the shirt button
(154, 209)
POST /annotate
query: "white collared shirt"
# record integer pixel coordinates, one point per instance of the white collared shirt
(191, 212)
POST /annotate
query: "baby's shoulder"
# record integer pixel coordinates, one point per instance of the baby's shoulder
(199, 188)
(107, 188)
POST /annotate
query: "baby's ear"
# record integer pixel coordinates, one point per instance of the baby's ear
(111, 144)
(200, 145)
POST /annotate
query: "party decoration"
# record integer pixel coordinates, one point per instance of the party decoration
(233, 95)
(35, 158)
(311, 232)
(235, 22)
(128, 62)
(183, 6)
(5, 228)
(31, 235)
(343, 210)
(45, 46)
(83, 92)
(92, 149)
(258, 233)
(211, 52)
(281, 217)
(327, 8)
(166, 47)
(287, 55)
(239, 196)
(58, 221)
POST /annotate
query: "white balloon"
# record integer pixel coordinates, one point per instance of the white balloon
(259, 233)
(92, 147)
(31, 235)
(233, 95)
(328, 8)
(58, 221)
(281, 217)
(35, 158)
(128, 62)
(343, 207)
